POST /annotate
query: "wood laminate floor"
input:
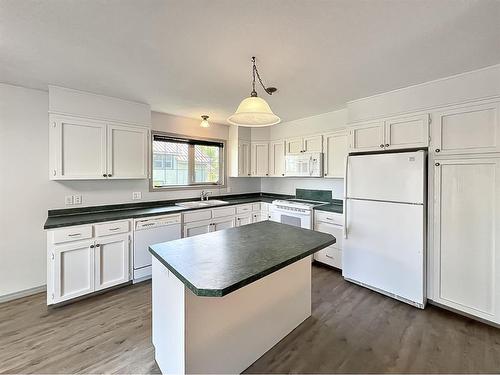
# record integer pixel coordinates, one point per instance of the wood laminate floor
(351, 330)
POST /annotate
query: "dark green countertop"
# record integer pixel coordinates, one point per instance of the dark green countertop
(87, 215)
(335, 206)
(218, 263)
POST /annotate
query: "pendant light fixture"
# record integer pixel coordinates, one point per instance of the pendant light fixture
(254, 111)
(204, 121)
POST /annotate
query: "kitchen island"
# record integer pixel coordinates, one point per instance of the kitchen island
(222, 299)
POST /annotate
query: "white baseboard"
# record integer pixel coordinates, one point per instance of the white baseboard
(23, 293)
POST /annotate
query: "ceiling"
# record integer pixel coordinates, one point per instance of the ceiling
(192, 57)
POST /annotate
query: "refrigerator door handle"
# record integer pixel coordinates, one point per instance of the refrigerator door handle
(345, 196)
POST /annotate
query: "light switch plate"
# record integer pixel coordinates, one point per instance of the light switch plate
(77, 199)
(68, 200)
(136, 195)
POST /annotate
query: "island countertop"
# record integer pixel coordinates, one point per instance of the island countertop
(218, 263)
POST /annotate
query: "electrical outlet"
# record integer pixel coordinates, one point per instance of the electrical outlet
(68, 200)
(77, 199)
(136, 195)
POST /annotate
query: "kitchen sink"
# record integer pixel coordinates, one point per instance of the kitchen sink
(198, 204)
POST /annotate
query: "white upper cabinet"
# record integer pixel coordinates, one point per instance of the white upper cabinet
(127, 152)
(277, 158)
(394, 133)
(313, 143)
(335, 147)
(298, 145)
(82, 149)
(244, 159)
(260, 159)
(465, 256)
(367, 137)
(467, 129)
(407, 132)
(294, 145)
(77, 149)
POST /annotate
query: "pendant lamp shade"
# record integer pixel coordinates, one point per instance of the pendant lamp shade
(254, 112)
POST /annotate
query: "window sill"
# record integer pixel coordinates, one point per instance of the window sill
(185, 187)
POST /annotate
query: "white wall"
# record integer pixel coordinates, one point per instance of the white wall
(311, 125)
(26, 192)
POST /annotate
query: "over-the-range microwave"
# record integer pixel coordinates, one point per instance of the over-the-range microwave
(308, 164)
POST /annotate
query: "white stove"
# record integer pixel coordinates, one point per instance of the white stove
(296, 212)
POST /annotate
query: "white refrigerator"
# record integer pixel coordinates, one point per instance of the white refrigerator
(385, 220)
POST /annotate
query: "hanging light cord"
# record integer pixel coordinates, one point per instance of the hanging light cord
(255, 72)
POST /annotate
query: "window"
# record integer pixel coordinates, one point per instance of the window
(184, 162)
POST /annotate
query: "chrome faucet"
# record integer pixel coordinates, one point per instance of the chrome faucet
(204, 195)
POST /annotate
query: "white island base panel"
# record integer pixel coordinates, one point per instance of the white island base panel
(193, 334)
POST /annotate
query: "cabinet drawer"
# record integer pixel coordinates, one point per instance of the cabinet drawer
(224, 211)
(115, 227)
(330, 256)
(243, 208)
(197, 215)
(329, 217)
(256, 207)
(72, 234)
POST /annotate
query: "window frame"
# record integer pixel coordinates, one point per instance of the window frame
(191, 186)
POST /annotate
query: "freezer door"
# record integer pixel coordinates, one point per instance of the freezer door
(394, 177)
(384, 248)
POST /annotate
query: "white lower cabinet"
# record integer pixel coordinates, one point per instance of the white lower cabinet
(328, 222)
(243, 219)
(72, 268)
(223, 223)
(111, 261)
(77, 267)
(197, 227)
(465, 256)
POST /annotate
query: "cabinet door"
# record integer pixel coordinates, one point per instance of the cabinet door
(465, 254)
(466, 130)
(243, 158)
(243, 219)
(127, 152)
(367, 137)
(258, 216)
(336, 150)
(112, 254)
(223, 223)
(407, 132)
(77, 149)
(332, 254)
(313, 143)
(73, 270)
(197, 227)
(294, 145)
(260, 159)
(277, 159)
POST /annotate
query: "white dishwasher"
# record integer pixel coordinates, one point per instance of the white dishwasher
(149, 231)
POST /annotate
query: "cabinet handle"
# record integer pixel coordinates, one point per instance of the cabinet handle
(114, 228)
(109, 175)
(437, 164)
(326, 174)
(74, 234)
(387, 145)
(249, 174)
(267, 174)
(381, 146)
(282, 174)
(438, 150)
(98, 245)
(328, 256)
(104, 175)
(91, 246)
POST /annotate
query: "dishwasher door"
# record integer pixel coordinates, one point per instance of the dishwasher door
(145, 238)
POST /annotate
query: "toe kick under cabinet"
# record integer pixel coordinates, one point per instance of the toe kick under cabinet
(87, 258)
(332, 223)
